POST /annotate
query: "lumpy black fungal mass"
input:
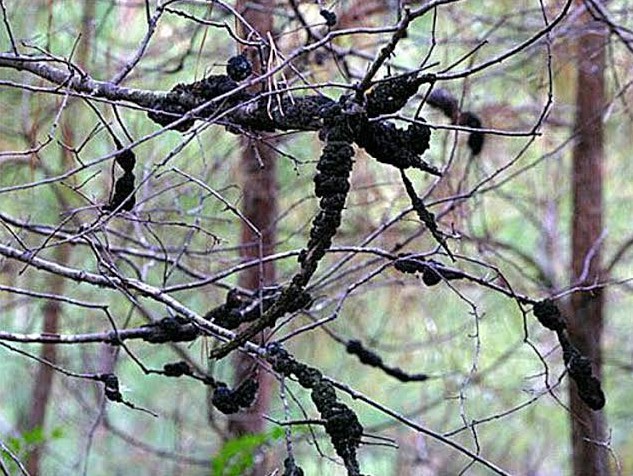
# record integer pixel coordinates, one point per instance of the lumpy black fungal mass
(578, 365)
(123, 194)
(341, 423)
(329, 17)
(475, 139)
(239, 68)
(230, 401)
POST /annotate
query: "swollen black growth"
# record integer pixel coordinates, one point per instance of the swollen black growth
(475, 139)
(401, 148)
(177, 369)
(187, 96)
(372, 359)
(330, 17)
(240, 309)
(331, 185)
(426, 216)
(123, 194)
(239, 68)
(341, 423)
(171, 329)
(443, 100)
(578, 365)
(124, 186)
(291, 468)
(111, 387)
(392, 94)
(433, 272)
(231, 401)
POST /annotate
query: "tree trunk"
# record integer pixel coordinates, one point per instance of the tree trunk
(43, 384)
(589, 458)
(259, 206)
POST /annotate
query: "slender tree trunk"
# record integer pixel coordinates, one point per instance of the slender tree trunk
(588, 427)
(43, 384)
(259, 185)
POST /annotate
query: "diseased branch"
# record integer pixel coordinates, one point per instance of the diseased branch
(355, 119)
(168, 329)
(220, 99)
(114, 282)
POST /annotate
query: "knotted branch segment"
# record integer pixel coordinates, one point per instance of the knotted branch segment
(372, 359)
(124, 187)
(578, 365)
(381, 139)
(185, 97)
(341, 423)
(170, 329)
(392, 94)
(293, 298)
(443, 100)
(343, 123)
(224, 398)
(426, 216)
(433, 272)
(239, 309)
(331, 183)
(392, 145)
(230, 401)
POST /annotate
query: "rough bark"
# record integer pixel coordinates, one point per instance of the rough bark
(259, 206)
(589, 458)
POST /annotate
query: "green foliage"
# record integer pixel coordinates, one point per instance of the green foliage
(236, 456)
(22, 445)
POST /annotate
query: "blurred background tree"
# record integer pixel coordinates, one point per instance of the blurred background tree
(529, 109)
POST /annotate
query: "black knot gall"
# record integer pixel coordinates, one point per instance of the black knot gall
(239, 68)
(330, 17)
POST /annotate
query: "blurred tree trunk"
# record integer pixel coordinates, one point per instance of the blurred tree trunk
(51, 311)
(588, 427)
(259, 206)
(43, 384)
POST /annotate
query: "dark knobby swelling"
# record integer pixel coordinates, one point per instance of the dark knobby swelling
(372, 359)
(329, 17)
(187, 96)
(433, 272)
(578, 365)
(401, 148)
(392, 94)
(331, 184)
(126, 160)
(231, 401)
(291, 468)
(171, 329)
(239, 309)
(341, 423)
(475, 139)
(124, 186)
(123, 194)
(443, 100)
(426, 216)
(239, 68)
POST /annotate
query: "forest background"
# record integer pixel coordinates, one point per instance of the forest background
(532, 208)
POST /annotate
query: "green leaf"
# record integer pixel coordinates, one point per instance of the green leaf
(236, 456)
(34, 436)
